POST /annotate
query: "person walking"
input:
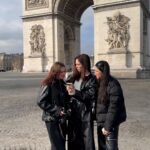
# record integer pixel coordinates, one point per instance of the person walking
(110, 107)
(53, 100)
(83, 94)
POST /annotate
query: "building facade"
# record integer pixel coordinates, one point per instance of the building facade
(11, 62)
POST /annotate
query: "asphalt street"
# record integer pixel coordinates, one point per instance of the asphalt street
(21, 127)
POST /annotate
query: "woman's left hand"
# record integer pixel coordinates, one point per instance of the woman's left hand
(105, 132)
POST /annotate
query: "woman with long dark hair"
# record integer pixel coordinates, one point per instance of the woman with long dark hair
(83, 95)
(53, 101)
(110, 107)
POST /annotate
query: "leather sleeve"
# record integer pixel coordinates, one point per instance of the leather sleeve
(44, 101)
(88, 94)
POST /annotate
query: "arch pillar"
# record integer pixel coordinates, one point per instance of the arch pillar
(121, 34)
(44, 29)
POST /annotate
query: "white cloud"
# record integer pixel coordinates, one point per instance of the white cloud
(11, 26)
(10, 36)
(11, 46)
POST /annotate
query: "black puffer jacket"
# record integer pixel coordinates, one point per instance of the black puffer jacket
(52, 99)
(112, 114)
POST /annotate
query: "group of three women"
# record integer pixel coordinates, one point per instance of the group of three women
(68, 106)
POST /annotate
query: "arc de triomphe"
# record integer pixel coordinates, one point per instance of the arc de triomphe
(51, 32)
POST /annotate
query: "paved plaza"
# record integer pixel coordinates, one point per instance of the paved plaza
(21, 127)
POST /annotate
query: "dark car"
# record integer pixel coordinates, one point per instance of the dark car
(2, 70)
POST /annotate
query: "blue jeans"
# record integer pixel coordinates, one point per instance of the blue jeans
(109, 142)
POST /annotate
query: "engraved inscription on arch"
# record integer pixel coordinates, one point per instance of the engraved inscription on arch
(36, 4)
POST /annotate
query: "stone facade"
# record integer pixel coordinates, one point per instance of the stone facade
(36, 4)
(129, 60)
(56, 24)
(61, 37)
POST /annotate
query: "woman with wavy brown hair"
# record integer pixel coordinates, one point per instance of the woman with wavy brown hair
(52, 100)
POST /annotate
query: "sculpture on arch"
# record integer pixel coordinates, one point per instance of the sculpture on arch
(37, 1)
(36, 4)
(118, 32)
(37, 40)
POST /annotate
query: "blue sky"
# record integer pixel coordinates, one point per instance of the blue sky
(11, 28)
(87, 31)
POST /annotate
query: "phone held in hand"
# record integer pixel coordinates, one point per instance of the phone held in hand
(70, 86)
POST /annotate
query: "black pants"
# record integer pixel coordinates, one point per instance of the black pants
(109, 142)
(81, 136)
(57, 135)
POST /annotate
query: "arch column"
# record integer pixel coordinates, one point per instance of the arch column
(43, 35)
(120, 38)
(38, 35)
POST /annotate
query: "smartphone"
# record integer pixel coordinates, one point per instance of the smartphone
(71, 86)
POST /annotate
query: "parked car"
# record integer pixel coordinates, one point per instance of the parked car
(2, 70)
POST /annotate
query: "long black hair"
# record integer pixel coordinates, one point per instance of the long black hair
(103, 66)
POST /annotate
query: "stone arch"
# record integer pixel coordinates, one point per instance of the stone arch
(69, 13)
(72, 8)
(60, 20)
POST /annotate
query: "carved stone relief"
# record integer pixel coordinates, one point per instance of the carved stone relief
(37, 40)
(118, 32)
(36, 4)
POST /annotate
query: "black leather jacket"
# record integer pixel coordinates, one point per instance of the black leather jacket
(81, 121)
(84, 99)
(52, 99)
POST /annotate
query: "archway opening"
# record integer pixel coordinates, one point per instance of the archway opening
(87, 31)
(72, 8)
(71, 12)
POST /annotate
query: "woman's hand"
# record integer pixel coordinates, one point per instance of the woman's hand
(70, 89)
(62, 113)
(105, 132)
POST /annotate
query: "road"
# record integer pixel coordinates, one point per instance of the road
(21, 127)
